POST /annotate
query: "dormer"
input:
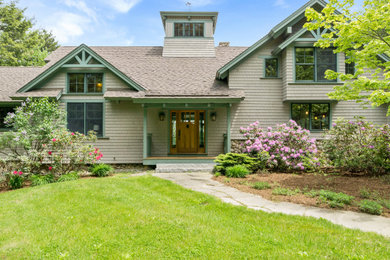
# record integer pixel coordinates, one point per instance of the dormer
(189, 34)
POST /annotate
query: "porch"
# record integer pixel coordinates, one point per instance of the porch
(185, 132)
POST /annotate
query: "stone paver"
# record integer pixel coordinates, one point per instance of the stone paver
(202, 182)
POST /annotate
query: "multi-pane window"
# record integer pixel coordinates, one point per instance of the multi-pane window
(189, 29)
(311, 63)
(271, 68)
(3, 114)
(311, 116)
(84, 117)
(85, 83)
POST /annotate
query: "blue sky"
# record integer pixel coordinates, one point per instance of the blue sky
(138, 22)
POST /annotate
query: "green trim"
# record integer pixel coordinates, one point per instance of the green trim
(83, 65)
(274, 33)
(310, 121)
(289, 41)
(59, 64)
(182, 106)
(228, 130)
(185, 100)
(82, 101)
(145, 134)
(175, 161)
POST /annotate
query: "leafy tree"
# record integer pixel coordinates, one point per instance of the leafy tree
(20, 45)
(364, 37)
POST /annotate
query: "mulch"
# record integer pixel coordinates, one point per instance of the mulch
(348, 184)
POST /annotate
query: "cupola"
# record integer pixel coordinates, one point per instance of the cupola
(189, 34)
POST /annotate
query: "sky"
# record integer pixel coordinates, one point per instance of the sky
(138, 22)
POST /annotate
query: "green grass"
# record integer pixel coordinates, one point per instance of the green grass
(285, 191)
(145, 217)
(261, 185)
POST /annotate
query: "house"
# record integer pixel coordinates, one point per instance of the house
(186, 101)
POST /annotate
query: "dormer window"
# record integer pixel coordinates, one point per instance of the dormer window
(189, 29)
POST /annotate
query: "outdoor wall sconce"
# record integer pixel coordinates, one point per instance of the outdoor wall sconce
(213, 116)
(161, 115)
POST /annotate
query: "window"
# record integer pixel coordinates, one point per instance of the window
(350, 68)
(84, 117)
(189, 29)
(3, 114)
(85, 83)
(271, 68)
(311, 116)
(311, 63)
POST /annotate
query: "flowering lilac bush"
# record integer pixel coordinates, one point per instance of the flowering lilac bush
(289, 146)
(39, 142)
(359, 146)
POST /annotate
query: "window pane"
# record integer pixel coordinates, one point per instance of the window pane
(201, 130)
(350, 68)
(320, 116)
(188, 29)
(173, 122)
(326, 60)
(76, 83)
(300, 114)
(95, 82)
(271, 67)
(304, 72)
(178, 29)
(199, 29)
(76, 117)
(94, 118)
(3, 113)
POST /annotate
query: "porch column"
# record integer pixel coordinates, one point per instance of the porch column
(145, 136)
(228, 141)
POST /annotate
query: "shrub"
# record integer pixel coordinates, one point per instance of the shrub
(370, 207)
(365, 194)
(287, 145)
(385, 203)
(39, 141)
(16, 180)
(359, 146)
(68, 177)
(285, 191)
(37, 179)
(334, 198)
(237, 171)
(261, 185)
(101, 170)
(231, 159)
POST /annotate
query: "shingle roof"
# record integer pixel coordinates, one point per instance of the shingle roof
(165, 76)
(12, 78)
(161, 76)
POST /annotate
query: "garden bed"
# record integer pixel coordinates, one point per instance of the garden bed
(301, 187)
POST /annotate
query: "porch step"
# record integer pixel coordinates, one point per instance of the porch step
(184, 167)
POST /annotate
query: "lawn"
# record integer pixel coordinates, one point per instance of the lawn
(146, 217)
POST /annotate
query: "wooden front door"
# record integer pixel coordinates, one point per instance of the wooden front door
(187, 132)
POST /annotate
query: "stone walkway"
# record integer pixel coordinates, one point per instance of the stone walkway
(202, 182)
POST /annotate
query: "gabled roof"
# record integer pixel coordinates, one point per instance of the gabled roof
(64, 60)
(274, 33)
(159, 76)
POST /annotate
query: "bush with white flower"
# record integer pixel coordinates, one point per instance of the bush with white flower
(290, 146)
(359, 146)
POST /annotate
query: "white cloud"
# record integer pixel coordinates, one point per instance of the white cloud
(122, 6)
(66, 26)
(281, 3)
(83, 7)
